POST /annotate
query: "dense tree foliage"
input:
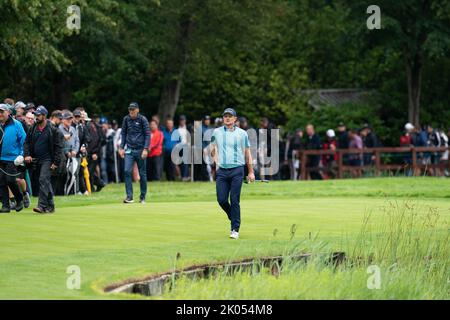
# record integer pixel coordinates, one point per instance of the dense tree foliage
(198, 56)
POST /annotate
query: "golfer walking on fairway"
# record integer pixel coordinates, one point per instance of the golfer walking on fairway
(231, 151)
(134, 148)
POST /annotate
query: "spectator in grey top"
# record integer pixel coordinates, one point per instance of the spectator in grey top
(71, 141)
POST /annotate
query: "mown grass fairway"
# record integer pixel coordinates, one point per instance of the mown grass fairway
(111, 241)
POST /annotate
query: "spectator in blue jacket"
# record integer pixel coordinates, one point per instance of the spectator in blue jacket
(12, 138)
(134, 148)
(169, 143)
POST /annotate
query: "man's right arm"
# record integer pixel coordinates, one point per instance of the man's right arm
(213, 146)
(123, 133)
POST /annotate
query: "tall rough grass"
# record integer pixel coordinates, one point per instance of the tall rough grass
(409, 246)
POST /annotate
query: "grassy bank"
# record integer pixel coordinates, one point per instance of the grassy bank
(111, 242)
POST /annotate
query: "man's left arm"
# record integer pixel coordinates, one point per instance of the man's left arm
(249, 163)
(248, 159)
(146, 127)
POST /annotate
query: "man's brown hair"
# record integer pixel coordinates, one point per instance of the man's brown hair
(9, 101)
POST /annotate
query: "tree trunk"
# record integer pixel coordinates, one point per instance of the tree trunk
(414, 63)
(176, 65)
(170, 97)
(414, 79)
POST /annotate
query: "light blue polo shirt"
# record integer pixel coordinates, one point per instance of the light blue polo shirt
(230, 146)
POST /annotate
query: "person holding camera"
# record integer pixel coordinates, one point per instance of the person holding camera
(43, 150)
(12, 138)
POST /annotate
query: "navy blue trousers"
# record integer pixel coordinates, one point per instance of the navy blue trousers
(130, 158)
(228, 188)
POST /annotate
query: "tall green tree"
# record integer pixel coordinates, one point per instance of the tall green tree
(206, 28)
(419, 31)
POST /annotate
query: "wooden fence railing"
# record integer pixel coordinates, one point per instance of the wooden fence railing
(414, 153)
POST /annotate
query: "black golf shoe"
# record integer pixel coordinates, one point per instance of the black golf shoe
(100, 187)
(5, 210)
(19, 206)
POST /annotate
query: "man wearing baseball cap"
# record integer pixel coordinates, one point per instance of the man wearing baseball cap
(231, 151)
(30, 107)
(56, 118)
(20, 109)
(134, 148)
(84, 138)
(71, 146)
(12, 138)
(43, 145)
(19, 115)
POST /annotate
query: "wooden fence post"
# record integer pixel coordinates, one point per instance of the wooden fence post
(414, 161)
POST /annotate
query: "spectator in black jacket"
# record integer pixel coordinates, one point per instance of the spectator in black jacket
(58, 175)
(343, 140)
(370, 141)
(97, 141)
(313, 142)
(434, 140)
(83, 136)
(43, 147)
(292, 152)
(134, 145)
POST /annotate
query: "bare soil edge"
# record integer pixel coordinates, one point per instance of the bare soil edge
(153, 285)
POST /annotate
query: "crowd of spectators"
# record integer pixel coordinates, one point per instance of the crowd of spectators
(82, 153)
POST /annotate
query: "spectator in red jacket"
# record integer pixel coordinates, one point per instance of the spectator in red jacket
(155, 157)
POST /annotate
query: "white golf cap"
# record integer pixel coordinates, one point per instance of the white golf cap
(409, 126)
(20, 105)
(330, 133)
